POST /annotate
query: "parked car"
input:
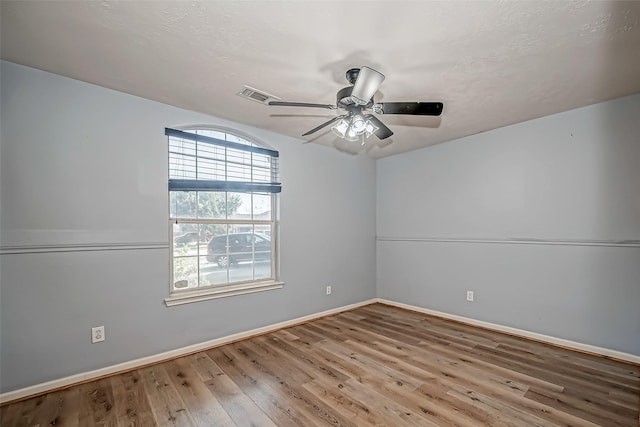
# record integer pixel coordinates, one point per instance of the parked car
(229, 249)
(186, 238)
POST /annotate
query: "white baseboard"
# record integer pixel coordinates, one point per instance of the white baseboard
(168, 355)
(632, 358)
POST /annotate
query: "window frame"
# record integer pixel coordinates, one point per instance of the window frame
(188, 295)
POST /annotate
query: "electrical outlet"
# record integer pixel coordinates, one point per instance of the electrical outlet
(470, 296)
(329, 290)
(97, 334)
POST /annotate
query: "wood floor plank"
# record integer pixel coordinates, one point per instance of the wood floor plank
(285, 378)
(9, 415)
(449, 376)
(558, 375)
(305, 361)
(624, 399)
(432, 408)
(517, 400)
(449, 368)
(592, 411)
(369, 365)
(391, 412)
(242, 410)
(130, 401)
(481, 364)
(49, 410)
(304, 334)
(503, 413)
(96, 404)
(202, 405)
(549, 352)
(374, 365)
(67, 408)
(270, 398)
(167, 406)
(356, 412)
(23, 413)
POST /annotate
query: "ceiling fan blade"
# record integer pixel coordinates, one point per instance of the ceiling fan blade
(301, 104)
(383, 131)
(414, 108)
(335, 119)
(367, 84)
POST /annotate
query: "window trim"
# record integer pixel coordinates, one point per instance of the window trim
(185, 296)
(213, 292)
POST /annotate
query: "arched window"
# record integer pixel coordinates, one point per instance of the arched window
(222, 200)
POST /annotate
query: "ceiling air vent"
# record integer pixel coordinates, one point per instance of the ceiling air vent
(256, 95)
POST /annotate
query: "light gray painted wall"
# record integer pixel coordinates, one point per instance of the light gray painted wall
(83, 165)
(572, 177)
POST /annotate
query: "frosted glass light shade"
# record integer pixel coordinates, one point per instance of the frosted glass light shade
(367, 84)
(340, 128)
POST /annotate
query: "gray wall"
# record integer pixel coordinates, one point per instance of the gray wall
(568, 181)
(83, 165)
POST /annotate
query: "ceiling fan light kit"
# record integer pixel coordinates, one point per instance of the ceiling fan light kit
(357, 99)
(354, 129)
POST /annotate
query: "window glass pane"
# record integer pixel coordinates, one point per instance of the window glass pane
(206, 232)
(261, 206)
(262, 168)
(182, 160)
(239, 206)
(215, 275)
(204, 235)
(207, 271)
(211, 133)
(238, 165)
(251, 257)
(211, 205)
(262, 269)
(185, 239)
(217, 248)
(263, 230)
(183, 204)
(262, 249)
(211, 162)
(185, 272)
(172, 205)
(234, 138)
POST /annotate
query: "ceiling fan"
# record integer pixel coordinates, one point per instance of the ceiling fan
(357, 102)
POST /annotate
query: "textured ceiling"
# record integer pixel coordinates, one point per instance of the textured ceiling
(492, 63)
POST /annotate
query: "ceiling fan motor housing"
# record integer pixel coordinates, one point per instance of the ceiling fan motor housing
(344, 99)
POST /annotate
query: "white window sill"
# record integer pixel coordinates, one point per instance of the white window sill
(189, 296)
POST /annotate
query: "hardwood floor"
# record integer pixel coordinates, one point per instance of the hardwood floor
(376, 365)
